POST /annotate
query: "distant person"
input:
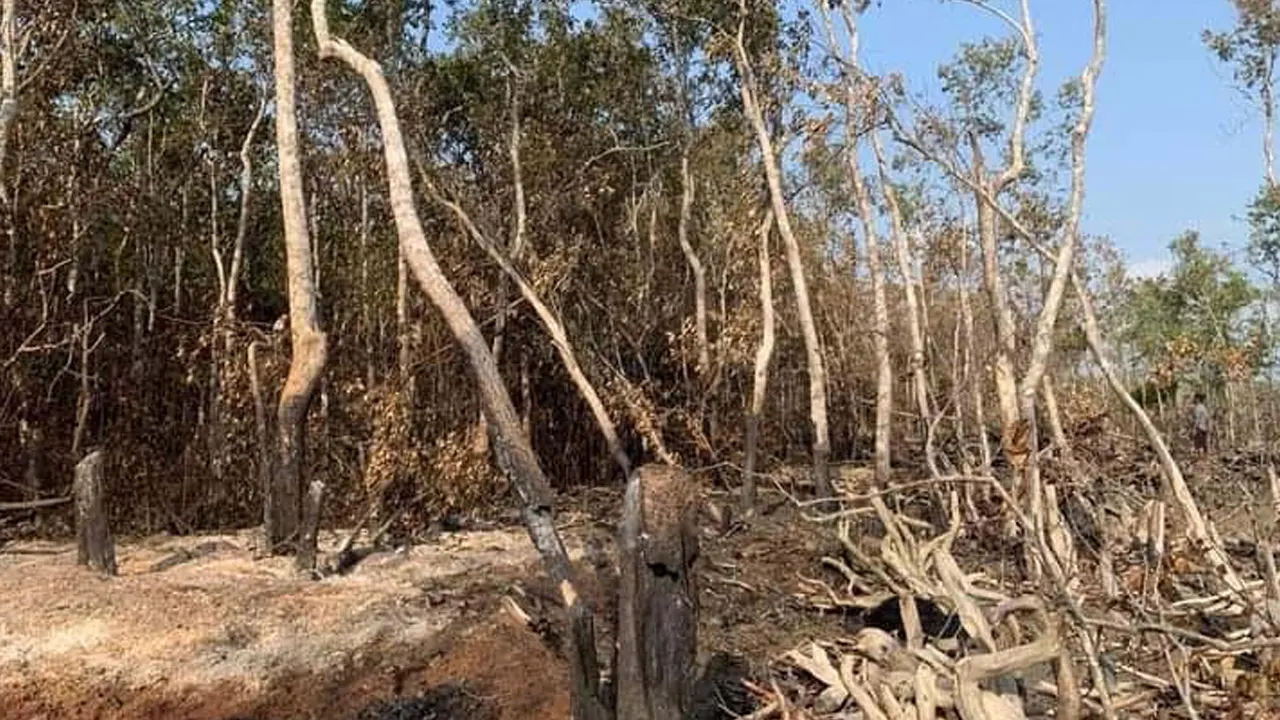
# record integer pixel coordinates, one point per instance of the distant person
(1200, 425)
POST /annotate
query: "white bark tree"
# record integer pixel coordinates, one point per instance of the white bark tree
(858, 97)
(749, 89)
(511, 445)
(309, 344)
(760, 376)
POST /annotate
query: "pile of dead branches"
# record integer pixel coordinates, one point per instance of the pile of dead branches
(1134, 621)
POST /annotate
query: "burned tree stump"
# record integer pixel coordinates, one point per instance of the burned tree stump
(306, 557)
(657, 595)
(93, 536)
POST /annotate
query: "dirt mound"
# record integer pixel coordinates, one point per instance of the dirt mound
(510, 667)
(199, 628)
(224, 634)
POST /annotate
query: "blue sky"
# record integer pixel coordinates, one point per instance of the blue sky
(1174, 146)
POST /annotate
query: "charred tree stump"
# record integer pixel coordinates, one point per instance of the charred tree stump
(311, 505)
(96, 548)
(657, 598)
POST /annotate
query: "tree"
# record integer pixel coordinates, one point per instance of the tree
(985, 77)
(763, 357)
(515, 456)
(860, 114)
(310, 345)
(1251, 49)
(1184, 322)
(750, 88)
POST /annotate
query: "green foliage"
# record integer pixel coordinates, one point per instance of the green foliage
(1251, 46)
(983, 82)
(1194, 322)
(1264, 232)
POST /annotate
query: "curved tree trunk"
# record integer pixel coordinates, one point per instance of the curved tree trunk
(514, 454)
(242, 225)
(310, 347)
(1064, 262)
(1197, 529)
(760, 378)
(809, 329)
(695, 267)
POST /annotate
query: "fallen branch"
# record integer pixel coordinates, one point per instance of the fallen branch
(34, 504)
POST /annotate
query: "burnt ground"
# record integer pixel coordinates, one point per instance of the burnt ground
(199, 627)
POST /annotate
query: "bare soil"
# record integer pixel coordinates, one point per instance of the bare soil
(199, 627)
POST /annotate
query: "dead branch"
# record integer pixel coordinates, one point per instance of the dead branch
(34, 504)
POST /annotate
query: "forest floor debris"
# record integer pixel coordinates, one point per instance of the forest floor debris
(1155, 633)
(802, 612)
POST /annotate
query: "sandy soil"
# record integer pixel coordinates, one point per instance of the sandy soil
(226, 634)
(413, 633)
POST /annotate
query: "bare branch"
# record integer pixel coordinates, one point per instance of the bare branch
(1063, 263)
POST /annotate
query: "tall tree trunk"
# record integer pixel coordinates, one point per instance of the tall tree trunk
(516, 245)
(8, 86)
(242, 225)
(515, 456)
(1064, 263)
(867, 218)
(898, 236)
(215, 241)
(215, 433)
(884, 370)
(1002, 324)
(760, 377)
(977, 389)
(309, 344)
(809, 329)
(687, 189)
(519, 232)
